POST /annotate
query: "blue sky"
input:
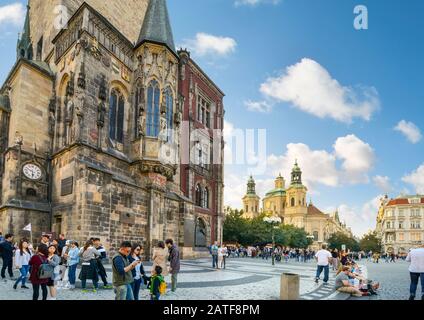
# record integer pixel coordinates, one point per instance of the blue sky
(326, 93)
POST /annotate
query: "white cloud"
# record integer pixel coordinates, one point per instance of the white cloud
(206, 44)
(350, 162)
(258, 106)
(358, 158)
(318, 166)
(409, 130)
(12, 13)
(383, 183)
(361, 219)
(253, 3)
(310, 87)
(416, 179)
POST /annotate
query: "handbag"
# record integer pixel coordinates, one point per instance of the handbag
(45, 271)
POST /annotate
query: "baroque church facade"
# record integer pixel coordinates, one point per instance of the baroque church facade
(106, 129)
(291, 206)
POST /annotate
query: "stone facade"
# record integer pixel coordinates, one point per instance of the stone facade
(400, 223)
(291, 206)
(100, 120)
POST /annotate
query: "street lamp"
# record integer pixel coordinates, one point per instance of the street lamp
(274, 222)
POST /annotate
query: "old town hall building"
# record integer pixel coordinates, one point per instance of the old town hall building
(107, 130)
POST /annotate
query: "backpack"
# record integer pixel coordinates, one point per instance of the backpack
(45, 271)
(162, 285)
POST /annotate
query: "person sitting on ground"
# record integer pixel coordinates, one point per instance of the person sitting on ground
(342, 284)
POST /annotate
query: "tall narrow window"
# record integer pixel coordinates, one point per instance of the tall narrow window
(117, 112)
(153, 96)
(206, 198)
(40, 49)
(136, 112)
(169, 112)
(198, 196)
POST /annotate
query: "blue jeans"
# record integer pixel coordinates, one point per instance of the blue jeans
(155, 298)
(136, 288)
(72, 274)
(124, 292)
(23, 277)
(414, 283)
(214, 261)
(326, 272)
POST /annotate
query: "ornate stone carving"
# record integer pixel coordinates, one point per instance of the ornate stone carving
(101, 112)
(70, 88)
(142, 126)
(103, 89)
(95, 50)
(81, 77)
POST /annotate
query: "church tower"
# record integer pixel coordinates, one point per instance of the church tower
(296, 206)
(251, 200)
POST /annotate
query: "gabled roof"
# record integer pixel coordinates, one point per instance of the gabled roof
(157, 26)
(312, 210)
(41, 66)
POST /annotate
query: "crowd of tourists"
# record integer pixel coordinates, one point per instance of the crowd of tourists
(53, 265)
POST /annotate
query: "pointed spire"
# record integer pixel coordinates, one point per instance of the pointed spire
(157, 26)
(24, 47)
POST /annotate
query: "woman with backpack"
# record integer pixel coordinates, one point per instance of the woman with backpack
(54, 261)
(88, 255)
(39, 276)
(22, 257)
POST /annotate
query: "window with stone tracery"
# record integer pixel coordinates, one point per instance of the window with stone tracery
(116, 116)
(153, 99)
(169, 112)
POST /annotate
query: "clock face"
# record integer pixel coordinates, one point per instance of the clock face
(32, 171)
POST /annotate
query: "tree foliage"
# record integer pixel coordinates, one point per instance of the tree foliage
(250, 231)
(338, 239)
(370, 242)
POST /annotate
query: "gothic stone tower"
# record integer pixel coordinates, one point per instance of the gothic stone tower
(90, 125)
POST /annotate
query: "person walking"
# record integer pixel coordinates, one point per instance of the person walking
(160, 257)
(35, 263)
(138, 272)
(416, 270)
(7, 249)
(72, 260)
(100, 268)
(335, 259)
(122, 277)
(54, 261)
(22, 257)
(214, 252)
(63, 282)
(323, 258)
(88, 255)
(174, 261)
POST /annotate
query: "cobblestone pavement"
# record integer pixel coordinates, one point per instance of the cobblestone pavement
(394, 280)
(243, 279)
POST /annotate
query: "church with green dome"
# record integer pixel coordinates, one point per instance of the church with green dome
(289, 203)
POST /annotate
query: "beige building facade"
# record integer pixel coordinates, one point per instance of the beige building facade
(400, 223)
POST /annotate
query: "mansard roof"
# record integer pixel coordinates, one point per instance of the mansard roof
(157, 26)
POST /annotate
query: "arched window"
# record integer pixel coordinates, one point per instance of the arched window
(117, 112)
(153, 97)
(31, 192)
(292, 202)
(198, 196)
(206, 198)
(169, 112)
